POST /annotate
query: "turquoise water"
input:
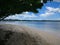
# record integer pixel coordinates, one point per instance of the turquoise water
(49, 26)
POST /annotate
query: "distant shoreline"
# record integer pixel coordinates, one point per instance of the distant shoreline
(35, 20)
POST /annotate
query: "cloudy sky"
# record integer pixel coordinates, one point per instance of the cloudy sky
(50, 11)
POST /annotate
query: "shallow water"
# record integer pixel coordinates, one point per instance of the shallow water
(46, 26)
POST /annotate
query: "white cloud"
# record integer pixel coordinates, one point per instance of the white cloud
(57, 0)
(22, 16)
(26, 15)
(29, 16)
(50, 11)
(12, 17)
(46, 14)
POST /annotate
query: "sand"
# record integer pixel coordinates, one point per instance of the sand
(22, 35)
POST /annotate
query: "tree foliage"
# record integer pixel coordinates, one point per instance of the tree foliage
(8, 7)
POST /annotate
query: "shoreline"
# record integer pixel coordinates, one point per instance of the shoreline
(39, 37)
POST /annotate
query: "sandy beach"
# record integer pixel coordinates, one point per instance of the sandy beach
(22, 35)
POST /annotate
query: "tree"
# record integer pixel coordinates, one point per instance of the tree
(9, 7)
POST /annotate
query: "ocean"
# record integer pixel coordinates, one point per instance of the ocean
(45, 26)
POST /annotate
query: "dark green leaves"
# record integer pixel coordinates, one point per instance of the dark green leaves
(8, 7)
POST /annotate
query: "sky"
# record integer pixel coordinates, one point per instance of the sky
(50, 11)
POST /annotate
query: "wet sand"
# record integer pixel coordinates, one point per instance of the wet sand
(22, 35)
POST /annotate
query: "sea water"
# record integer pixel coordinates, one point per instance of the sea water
(45, 26)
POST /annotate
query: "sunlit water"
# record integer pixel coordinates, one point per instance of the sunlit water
(45, 26)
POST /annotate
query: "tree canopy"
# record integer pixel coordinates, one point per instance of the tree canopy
(8, 7)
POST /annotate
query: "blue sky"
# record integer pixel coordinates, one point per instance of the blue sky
(50, 11)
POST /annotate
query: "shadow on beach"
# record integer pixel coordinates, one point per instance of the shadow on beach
(18, 35)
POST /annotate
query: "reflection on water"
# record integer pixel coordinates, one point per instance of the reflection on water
(55, 26)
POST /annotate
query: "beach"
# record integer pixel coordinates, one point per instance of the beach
(22, 35)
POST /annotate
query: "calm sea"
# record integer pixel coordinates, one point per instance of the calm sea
(46, 26)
